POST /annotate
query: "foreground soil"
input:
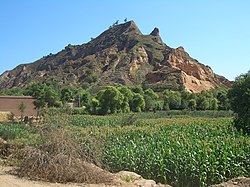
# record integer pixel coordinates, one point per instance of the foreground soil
(121, 179)
(236, 182)
(10, 180)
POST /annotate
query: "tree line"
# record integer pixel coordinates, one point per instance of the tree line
(120, 98)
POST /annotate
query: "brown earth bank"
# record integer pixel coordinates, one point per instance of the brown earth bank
(121, 179)
(239, 182)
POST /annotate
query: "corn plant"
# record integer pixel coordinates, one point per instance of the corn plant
(198, 154)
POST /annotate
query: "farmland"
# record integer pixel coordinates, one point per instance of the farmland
(180, 150)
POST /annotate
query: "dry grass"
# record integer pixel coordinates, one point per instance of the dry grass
(5, 116)
(60, 159)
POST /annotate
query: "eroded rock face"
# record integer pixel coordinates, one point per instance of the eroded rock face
(139, 58)
(121, 54)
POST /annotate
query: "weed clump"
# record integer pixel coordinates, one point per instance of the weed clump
(60, 159)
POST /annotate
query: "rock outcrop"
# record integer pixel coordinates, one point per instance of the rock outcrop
(121, 54)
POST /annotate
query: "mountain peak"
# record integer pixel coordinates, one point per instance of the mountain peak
(121, 54)
(129, 26)
(155, 32)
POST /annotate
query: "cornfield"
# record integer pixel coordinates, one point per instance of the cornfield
(178, 150)
(198, 154)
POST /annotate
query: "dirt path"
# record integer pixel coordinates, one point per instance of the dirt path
(8, 180)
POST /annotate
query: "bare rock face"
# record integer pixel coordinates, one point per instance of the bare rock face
(121, 54)
(195, 76)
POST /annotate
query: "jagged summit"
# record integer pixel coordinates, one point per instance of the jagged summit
(121, 54)
(124, 28)
(131, 26)
(155, 32)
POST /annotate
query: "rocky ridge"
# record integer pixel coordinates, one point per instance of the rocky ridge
(121, 54)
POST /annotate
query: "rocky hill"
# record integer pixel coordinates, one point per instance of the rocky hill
(121, 54)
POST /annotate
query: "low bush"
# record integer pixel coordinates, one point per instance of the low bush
(60, 159)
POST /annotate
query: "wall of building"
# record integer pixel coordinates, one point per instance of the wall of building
(12, 103)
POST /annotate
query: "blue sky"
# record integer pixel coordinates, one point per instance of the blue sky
(215, 32)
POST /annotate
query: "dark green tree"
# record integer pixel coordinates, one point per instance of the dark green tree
(110, 100)
(37, 90)
(94, 106)
(213, 104)
(128, 96)
(202, 103)
(66, 95)
(45, 95)
(223, 101)
(239, 96)
(172, 100)
(150, 98)
(192, 104)
(137, 89)
(138, 103)
(51, 97)
(83, 97)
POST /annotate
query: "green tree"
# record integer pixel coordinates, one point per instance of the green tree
(137, 89)
(83, 97)
(128, 96)
(12, 91)
(37, 90)
(184, 99)
(239, 96)
(213, 104)
(150, 98)
(150, 103)
(223, 101)
(94, 106)
(66, 95)
(172, 100)
(192, 104)
(203, 103)
(138, 103)
(110, 100)
(45, 95)
(51, 97)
